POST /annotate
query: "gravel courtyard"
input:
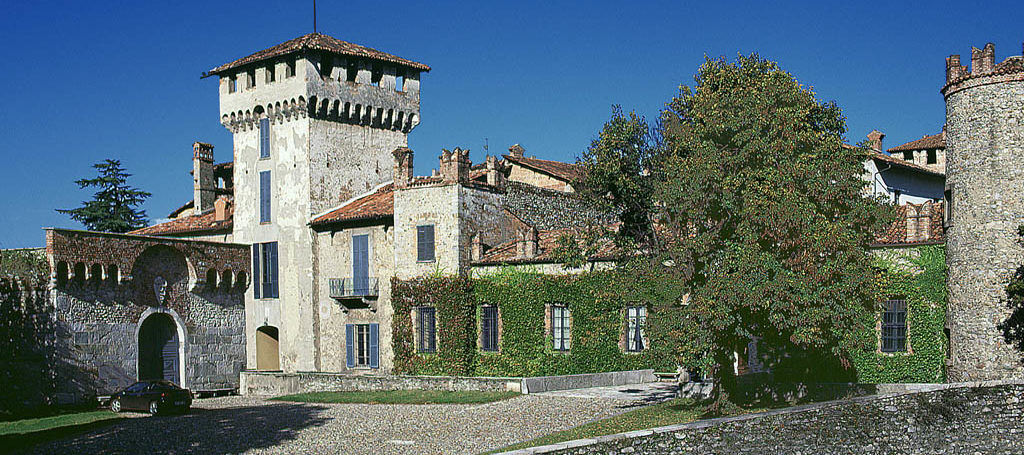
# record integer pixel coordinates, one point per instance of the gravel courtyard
(256, 426)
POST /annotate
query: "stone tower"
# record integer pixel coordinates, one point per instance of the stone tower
(985, 193)
(314, 122)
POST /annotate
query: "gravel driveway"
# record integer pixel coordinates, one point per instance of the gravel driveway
(256, 426)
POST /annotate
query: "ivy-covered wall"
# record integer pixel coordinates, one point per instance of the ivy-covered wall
(917, 274)
(597, 302)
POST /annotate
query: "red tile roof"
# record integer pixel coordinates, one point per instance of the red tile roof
(318, 42)
(547, 241)
(192, 224)
(935, 141)
(567, 172)
(377, 205)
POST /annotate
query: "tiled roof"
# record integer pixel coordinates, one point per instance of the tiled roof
(316, 41)
(915, 224)
(177, 211)
(935, 141)
(879, 156)
(377, 205)
(547, 241)
(203, 222)
(563, 171)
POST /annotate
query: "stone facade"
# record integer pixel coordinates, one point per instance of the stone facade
(985, 143)
(104, 286)
(958, 419)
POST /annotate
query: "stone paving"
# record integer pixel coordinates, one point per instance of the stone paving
(256, 426)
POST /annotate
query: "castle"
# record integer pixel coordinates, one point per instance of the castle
(283, 259)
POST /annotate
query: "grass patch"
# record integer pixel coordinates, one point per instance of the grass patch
(679, 410)
(27, 432)
(400, 397)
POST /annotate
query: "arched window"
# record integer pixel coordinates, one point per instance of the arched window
(240, 281)
(211, 279)
(96, 274)
(225, 280)
(62, 274)
(79, 274)
(112, 274)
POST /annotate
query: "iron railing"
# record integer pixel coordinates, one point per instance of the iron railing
(342, 288)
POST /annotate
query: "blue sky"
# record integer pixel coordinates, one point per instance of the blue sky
(85, 81)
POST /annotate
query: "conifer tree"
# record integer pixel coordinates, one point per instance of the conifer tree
(114, 206)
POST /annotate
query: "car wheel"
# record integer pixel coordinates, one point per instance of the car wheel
(154, 407)
(115, 405)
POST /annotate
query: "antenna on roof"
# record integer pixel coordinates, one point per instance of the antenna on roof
(314, 16)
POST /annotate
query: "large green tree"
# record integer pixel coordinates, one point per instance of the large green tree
(114, 206)
(768, 220)
(1013, 326)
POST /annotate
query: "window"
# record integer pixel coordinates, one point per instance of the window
(232, 84)
(894, 326)
(933, 156)
(326, 65)
(908, 155)
(636, 320)
(489, 328)
(426, 319)
(265, 197)
(362, 347)
(560, 327)
(264, 137)
(264, 270)
(250, 78)
(400, 80)
(351, 70)
(271, 73)
(376, 74)
(425, 243)
(289, 67)
(896, 196)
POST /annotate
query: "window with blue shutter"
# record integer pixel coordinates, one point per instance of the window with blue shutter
(374, 346)
(256, 270)
(264, 137)
(350, 342)
(265, 269)
(265, 197)
(425, 243)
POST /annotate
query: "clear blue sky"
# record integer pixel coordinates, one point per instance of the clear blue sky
(85, 81)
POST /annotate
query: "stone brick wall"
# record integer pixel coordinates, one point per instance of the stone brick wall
(985, 170)
(956, 419)
(549, 209)
(98, 315)
(272, 384)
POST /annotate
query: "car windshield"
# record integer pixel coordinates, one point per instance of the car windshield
(137, 387)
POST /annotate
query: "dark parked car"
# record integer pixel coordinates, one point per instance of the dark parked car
(157, 397)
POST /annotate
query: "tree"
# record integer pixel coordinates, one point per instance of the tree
(618, 177)
(1013, 326)
(113, 207)
(766, 215)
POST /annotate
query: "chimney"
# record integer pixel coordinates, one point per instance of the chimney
(983, 61)
(476, 249)
(403, 167)
(527, 246)
(875, 139)
(516, 151)
(455, 166)
(220, 208)
(495, 176)
(202, 176)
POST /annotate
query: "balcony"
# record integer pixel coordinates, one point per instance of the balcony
(351, 288)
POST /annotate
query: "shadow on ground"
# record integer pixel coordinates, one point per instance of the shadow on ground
(225, 430)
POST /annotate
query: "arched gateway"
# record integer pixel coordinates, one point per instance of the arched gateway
(159, 349)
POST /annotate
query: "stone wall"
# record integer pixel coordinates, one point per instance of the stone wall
(955, 419)
(549, 209)
(105, 285)
(985, 169)
(273, 384)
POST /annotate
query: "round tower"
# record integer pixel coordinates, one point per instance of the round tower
(985, 196)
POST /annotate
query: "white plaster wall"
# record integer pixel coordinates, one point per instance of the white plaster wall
(348, 160)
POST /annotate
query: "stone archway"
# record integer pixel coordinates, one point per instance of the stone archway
(159, 349)
(267, 351)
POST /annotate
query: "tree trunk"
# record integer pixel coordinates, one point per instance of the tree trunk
(724, 379)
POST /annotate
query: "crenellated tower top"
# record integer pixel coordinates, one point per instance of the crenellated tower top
(983, 71)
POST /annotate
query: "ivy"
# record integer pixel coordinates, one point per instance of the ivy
(597, 301)
(919, 275)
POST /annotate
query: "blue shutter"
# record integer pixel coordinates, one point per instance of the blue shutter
(264, 138)
(374, 346)
(361, 264)
(265, 197)
(256, 270)
(273, 270)
(425, 243)
(350, 352)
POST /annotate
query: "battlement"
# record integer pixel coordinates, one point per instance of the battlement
(202, 151)
(983, 70)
